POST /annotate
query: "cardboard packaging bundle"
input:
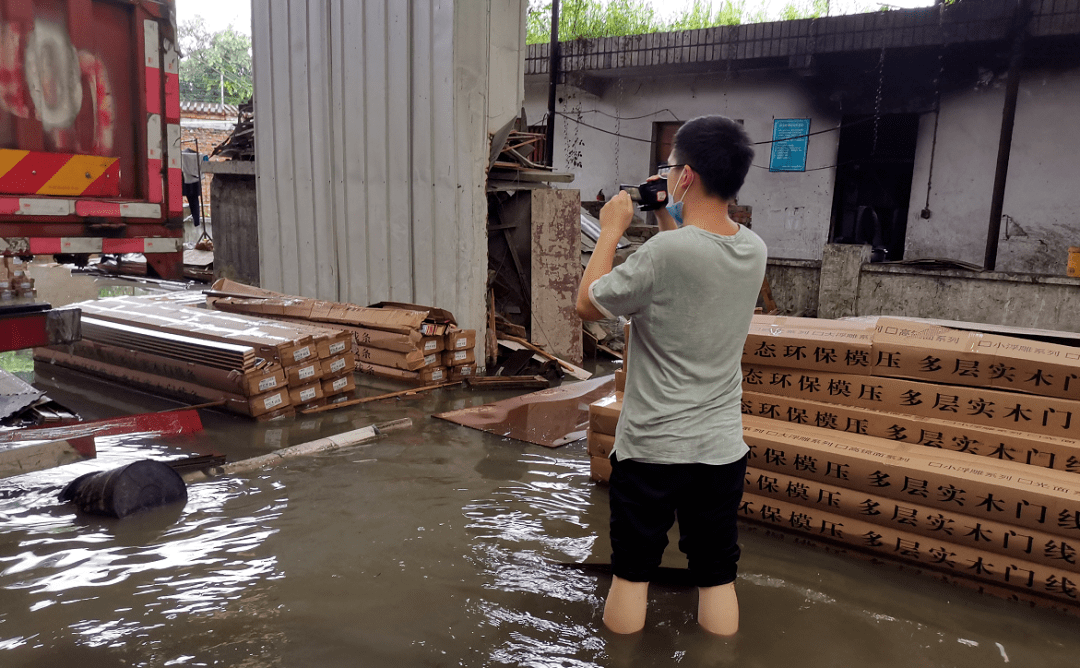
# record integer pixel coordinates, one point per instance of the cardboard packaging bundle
(915, 350)
(14, 281)
(418, 344)
(1005, 523)
(949, 449)
(603, 419)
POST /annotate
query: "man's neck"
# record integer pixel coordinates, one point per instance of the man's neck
(710, 214)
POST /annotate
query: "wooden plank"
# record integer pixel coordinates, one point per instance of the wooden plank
(507, 383)
(556, 272)
(380, 397)
(18, 458)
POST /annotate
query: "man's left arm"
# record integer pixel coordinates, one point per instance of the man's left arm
(615, 218)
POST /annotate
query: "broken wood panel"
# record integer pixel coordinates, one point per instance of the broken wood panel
(556, 271)
(20, 458)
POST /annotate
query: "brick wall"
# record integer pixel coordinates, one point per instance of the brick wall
(208, 140)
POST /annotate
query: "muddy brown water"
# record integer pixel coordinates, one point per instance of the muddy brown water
(436, 546)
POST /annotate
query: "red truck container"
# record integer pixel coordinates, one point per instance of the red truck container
(90, 130)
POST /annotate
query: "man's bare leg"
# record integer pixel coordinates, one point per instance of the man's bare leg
(718, 609)
(624, 610)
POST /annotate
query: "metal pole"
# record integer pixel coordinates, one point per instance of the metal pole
(1008, 119)
(553, 72)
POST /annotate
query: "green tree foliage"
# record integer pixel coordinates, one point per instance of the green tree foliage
(613, 18)
(214, 60)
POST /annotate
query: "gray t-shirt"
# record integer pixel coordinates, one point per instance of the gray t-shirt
(691, 295)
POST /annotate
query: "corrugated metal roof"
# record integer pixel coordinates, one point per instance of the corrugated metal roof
(373, 147)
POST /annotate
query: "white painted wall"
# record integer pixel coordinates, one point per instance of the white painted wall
(1042, 181)
(791, 211)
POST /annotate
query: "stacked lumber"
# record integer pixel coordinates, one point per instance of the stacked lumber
(168, 345)
(603, 419)
(421, 345)
(14, 281)
(952, 451)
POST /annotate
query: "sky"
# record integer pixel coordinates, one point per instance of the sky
(219, 14)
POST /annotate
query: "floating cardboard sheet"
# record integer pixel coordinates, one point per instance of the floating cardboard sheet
(549, 418)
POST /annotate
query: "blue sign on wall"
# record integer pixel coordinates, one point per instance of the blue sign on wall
(789, 144)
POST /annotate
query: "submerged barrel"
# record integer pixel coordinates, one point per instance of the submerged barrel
(141, 485)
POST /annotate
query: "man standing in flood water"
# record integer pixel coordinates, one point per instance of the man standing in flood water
(679, 450)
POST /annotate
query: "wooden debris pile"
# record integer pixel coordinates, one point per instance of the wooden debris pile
(241, 143)
(167, 345)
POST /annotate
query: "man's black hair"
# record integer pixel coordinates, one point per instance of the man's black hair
(718, 149)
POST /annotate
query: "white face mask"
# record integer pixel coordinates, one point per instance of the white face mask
(676, 208)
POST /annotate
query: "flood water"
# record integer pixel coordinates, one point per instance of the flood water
(435, 546)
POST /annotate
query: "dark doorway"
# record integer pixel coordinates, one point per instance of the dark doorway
(875, 163)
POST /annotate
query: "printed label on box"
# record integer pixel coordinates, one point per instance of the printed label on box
(336, 348)
(430, 345)
(271, 402)
(337, 366)
(340, 383)
(430, 359)
(462, 342)
(267, 383)
(308, 394)
(301, 354)
(460, 355)
(306, 372)
(437, 375)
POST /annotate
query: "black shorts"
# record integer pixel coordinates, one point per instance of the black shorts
(646, 498)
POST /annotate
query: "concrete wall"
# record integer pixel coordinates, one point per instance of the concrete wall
(1039, 196)
(236, 228)
(791, 211)
(855, 287)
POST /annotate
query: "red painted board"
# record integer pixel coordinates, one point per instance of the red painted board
(167, 423)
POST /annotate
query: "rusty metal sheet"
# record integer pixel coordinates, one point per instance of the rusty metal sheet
(15, 394)
(549, 418)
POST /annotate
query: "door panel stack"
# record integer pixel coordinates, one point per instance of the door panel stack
(166, 344)
(416, 344)
(954, 452)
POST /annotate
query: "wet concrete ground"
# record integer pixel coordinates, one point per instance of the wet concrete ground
(436, 546)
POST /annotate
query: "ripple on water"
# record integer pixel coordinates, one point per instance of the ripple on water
(519, 537)
(68, 571)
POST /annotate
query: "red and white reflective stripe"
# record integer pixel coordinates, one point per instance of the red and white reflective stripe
(153, 158)
(94, 208)
(152, 66)
(176, 176)
(37, 206)
(55, 245)
(172, 83)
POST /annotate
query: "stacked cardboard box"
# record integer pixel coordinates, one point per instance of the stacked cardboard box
(954, 451)
(166, 344)
(418, 344)
(603, 419)
(14, 281)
